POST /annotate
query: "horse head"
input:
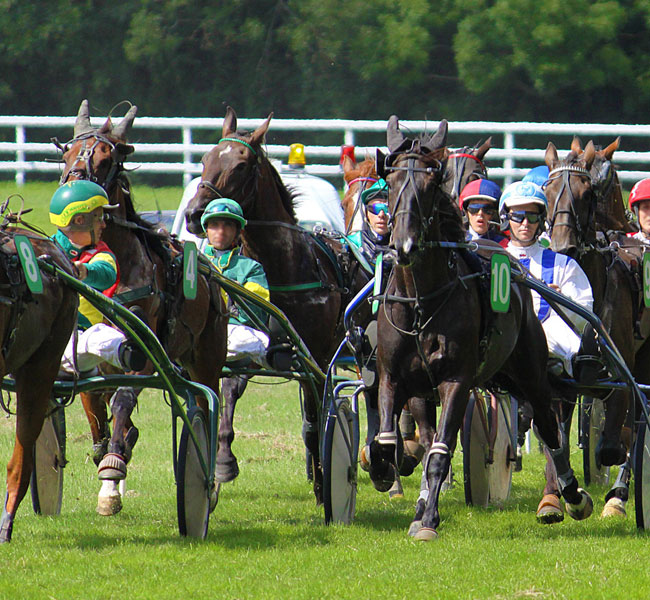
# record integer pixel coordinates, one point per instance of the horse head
(571, 200)
(358, 176)
(230, 170)
(97, 154)
(414, 171)
(465, 165)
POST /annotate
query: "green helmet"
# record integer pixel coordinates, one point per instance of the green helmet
(74, 198)
(223, 208)
(379, 189)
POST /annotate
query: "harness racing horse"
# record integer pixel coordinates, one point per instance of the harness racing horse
(585, 204)
(193, 332)
(34, 334)
(301, 268)
(436, 333)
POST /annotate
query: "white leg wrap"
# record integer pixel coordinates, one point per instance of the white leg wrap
(439, 448)
(387, 438)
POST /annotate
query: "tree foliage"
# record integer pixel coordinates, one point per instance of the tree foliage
(586, 60)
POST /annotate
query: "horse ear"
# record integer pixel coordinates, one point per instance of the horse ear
(229, 122)
(82, 124)
(380, 162)
(481, 151)
(394, 136)
(439, 138)
(124, 126)
(348, 165)
(257, 137)
(608, 152)
(107, 127)
(550, 158)
(576, 145)
(589, 155)
(123, 149)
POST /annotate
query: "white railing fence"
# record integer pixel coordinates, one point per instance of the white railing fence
(27, 148)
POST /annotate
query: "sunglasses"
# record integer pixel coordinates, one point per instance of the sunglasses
(378, 207)
(518, 216)
(474, 209)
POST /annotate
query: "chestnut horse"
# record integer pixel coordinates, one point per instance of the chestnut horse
(585, 206)
(193, 332)
(304, 280)
(432, 331)
(35, 331)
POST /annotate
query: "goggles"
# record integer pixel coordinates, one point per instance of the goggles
(377, 207)
(474, 209)
(518, 216)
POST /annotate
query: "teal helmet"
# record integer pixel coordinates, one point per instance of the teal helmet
(79, 197)
(223, 208)
(379, 189)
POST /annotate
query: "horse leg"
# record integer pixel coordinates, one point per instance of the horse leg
(413, 449)
(438, 461)
(232, 389)
(610, 449)
(95, 408)
(310, 436)
(112, 467)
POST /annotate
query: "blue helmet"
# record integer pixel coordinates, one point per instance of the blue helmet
(538, 175)
(522, 192)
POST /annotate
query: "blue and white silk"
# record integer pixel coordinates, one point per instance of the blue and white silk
(558, 269)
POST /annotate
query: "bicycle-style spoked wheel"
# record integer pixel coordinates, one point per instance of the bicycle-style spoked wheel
(49, 459)
(192, 493)
(475, 453)
(500, 471)
(592, 420)
(642, 477)
(340, 455)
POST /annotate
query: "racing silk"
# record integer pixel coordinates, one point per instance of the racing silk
(103, 275)
(370, 244)
(639, 235)
(490, 235)
(567, 274)
(246, 272)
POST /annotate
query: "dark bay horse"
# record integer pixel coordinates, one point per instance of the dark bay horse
(193, 332)
(35, 331)
(587, 221)
(301, 269)
(435, 332)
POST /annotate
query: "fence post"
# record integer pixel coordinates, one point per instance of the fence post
(348, 137)
(187, 155)
(509, 162)
(20, 155)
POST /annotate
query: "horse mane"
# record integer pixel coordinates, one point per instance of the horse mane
(362, 169)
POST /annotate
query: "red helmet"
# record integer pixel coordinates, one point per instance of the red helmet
(479, 189)
(640, 191)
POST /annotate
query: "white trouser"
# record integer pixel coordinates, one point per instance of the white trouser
(97, 344)
(246, 342)
(562, 342)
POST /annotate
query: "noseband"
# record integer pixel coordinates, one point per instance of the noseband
(566, 172)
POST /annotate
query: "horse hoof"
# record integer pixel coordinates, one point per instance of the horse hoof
(112, 467)
(396, 491)
(364, 458)
(413, 453)
(614, 507)
(582, 510)
(415, 527)
(385, 481)
(609, 454)
(109, 500)
(225, 472)
(550, 510)
(426, 534)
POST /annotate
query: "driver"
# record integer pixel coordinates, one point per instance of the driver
(374, 237)
(223, 222)
(639, 202)
(479, 201)
(523, 205)
(77, 209)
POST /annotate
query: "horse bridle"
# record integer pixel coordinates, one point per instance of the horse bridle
(464, 157)
(411, 169)
(85, 157)
(566, 172)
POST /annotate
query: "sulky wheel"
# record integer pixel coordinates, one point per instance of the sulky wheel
(193, 497)
(49, 460)
(500, 471)
(642, 477)
(592, 421)
(340, 454)
(475, 453)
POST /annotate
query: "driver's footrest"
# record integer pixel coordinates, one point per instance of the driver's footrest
(588, 369)
(280, 356)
